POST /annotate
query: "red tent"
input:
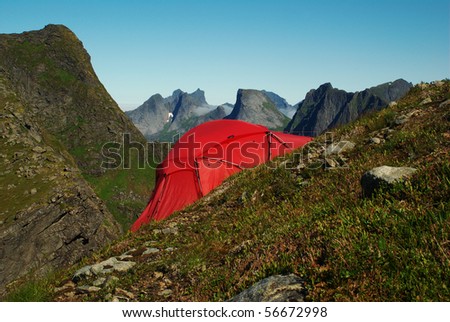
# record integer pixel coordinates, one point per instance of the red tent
(205, 156)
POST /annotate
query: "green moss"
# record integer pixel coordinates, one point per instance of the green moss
(28, 54)
(125, 192)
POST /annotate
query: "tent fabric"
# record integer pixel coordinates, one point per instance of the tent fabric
(205, 156)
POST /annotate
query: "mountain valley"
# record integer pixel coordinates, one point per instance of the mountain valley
(76, 171)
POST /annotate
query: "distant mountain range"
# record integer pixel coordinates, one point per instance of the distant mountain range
(162, 119)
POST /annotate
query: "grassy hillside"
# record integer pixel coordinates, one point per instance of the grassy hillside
(311, 220)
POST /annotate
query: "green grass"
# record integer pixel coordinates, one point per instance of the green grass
(115, 186)
(33, 290)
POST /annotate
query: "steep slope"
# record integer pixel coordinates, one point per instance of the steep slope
(256, 107)
(51, 73)
(328, 107)
(299, 216)
(55, 118)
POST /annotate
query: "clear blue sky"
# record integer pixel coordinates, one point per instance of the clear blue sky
(140, 48)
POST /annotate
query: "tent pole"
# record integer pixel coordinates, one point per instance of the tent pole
(163, 190)
(269, 144)
(281, 141)
(197, 174)
(223, 161)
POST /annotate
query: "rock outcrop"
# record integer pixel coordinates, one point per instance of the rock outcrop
(52, 74)
(50, 217)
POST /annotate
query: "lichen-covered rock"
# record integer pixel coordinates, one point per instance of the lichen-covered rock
(383, 177)
(106, 267)
(277, 288)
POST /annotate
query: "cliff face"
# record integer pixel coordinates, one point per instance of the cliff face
(256, 107)
(55, 116)
(50, 217)
(281, 104)
(328, 107)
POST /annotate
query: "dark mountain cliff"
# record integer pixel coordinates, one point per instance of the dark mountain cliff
(187, 107)
(328, 107)
(55, 116)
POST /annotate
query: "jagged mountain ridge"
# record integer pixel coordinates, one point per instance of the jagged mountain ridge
(161, 118)
(322, 109)
(164, 118)
(56, 116)
(328, 107)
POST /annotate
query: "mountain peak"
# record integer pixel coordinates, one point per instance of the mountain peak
(177, 93)
(199, 95)
(255, 106)
(325, 87)
(57, 27)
